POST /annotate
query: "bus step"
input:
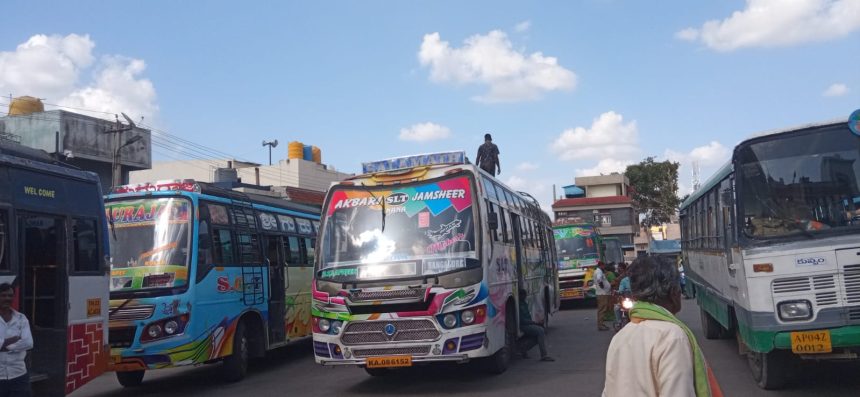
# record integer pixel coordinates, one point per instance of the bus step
(38, 377)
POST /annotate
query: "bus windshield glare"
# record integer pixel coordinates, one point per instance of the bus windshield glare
(150, 248)
(800, 184)
(428, 229)
(575, 243)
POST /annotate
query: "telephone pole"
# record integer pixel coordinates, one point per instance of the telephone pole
(116, 173)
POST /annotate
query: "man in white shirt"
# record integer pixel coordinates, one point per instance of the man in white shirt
(603, 290)
(15, 340)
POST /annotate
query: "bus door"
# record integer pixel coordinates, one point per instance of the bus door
(727, 207)
(276, 260)
(44, 294)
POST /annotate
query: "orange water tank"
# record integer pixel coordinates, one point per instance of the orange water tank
(295, 150)
(25, 105)
(317, 154)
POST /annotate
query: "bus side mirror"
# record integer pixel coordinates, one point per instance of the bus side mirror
(493, 220)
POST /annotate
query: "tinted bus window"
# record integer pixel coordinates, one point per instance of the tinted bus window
(223, 246)
(294, 257)
(491, 191)
(249, 248)
(218, 214)
(309, 244)
(86, 245)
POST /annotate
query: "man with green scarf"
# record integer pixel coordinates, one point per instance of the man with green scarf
(656, 354)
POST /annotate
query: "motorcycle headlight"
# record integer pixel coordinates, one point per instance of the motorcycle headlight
(795, 310)
(627, 303)
(324, 324)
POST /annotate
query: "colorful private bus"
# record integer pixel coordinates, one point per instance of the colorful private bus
(201, 274)
(53, 244)
(579, 247)
(771, 246)
(421, 259)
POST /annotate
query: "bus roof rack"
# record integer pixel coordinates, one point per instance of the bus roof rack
(417, 160)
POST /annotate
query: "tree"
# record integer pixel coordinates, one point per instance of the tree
(655, 189)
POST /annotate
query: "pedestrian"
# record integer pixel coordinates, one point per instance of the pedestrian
(488, 156)
(623, 289)
(603, 291)
(15, 340)
(656, 354)
(534, 333)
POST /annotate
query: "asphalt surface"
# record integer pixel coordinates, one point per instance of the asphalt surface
(580, 351)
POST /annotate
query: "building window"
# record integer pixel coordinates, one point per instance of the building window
(603, 219)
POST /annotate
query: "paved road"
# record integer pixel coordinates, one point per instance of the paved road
(574, 341)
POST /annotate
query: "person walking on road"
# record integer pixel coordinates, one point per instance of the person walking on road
(603, 290)
(535, 334)
(15, 339)
(656, 354)
(488, 156)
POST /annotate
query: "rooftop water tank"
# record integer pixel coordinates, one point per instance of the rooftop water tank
(573, 191)
(295, 150)
(25, 105)
(317, 154)
(308, 153)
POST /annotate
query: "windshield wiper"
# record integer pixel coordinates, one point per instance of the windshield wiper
(112, 227)
(366, 188)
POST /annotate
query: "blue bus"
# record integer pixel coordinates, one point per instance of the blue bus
(53, 241)
(202, 274)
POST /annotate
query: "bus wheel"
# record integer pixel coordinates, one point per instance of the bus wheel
(235, 366)
(377, 371)
(710, 326)
(498, 362)
(130, 378)
(770, 370)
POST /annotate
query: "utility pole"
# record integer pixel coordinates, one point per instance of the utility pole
(116, 173)
(270, 145)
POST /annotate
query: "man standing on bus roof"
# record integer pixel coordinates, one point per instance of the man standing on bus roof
(488, 156)
(15, 340)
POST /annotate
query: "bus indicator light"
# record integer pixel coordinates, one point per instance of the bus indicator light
(763, 268)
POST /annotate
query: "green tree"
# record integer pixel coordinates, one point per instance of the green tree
(655, 189)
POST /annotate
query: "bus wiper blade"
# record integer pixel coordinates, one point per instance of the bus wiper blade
(367, 189)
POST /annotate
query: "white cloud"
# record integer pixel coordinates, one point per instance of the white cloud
(604, 167)
(523, 26)
(424, 132)
(773, 23)
(490, 60)
(527, 166)
(51, 67)
(516, 183)
(609, 137)
(709, 157)
(837, 89)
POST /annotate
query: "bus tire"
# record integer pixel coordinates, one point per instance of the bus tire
(377, 371)
(771, 370)
(499, 361)
(710, 326)
(235, 366)
(130, 378)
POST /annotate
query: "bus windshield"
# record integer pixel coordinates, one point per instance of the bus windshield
(800, 184)
(613, 252)
(427, 229)
(150, 248)
(575, 242)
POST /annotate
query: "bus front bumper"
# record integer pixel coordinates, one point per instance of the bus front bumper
(453, 358)
(843, 340)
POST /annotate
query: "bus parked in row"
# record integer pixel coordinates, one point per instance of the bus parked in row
(53, 244)
(421, 260)
(579, 246)
(201, 274)
(771, 245)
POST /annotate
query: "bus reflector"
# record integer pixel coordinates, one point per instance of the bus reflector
(763, 268)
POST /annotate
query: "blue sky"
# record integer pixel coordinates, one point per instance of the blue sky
(565, 87)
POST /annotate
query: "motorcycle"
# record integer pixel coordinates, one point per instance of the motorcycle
(623, 312)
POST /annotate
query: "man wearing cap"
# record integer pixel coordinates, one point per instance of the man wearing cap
(488, 156)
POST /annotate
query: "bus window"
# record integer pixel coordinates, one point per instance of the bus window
(223, 246)
(287, 223)
(218, 214)
(492, 212)
(86, 245)
(309, 245)
(503, 225)
(294, 257)
(249, 248)
(490, 190)
(4, 241)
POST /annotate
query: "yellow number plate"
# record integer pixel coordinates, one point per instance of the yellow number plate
(389, 361)
(571, 293)
(808, 342)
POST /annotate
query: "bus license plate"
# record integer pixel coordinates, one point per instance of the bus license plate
(389, 362)
(571, 293)
(807, 342)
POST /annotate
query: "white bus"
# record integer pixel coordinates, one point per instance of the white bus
(421, 259)
(771, 246)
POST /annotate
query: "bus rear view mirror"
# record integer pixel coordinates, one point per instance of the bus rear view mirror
(492, 220)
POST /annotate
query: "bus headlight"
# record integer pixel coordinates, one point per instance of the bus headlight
(324, 325)
(171, 327)
(154, 331)
(467, 316)
(795, 310)
(336, 326)
(450, 320)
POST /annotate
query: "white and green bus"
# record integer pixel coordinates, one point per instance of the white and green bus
(772, 247)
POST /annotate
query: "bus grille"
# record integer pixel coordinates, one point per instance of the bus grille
(570, 284)
(121, 337)
(129, 313)
(393, 351)
(385, 295)
(851, 277)
(374, 332)
(795, 284)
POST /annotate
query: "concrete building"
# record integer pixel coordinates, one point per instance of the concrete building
(294, 173)
(605, 201)
(76, 139)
